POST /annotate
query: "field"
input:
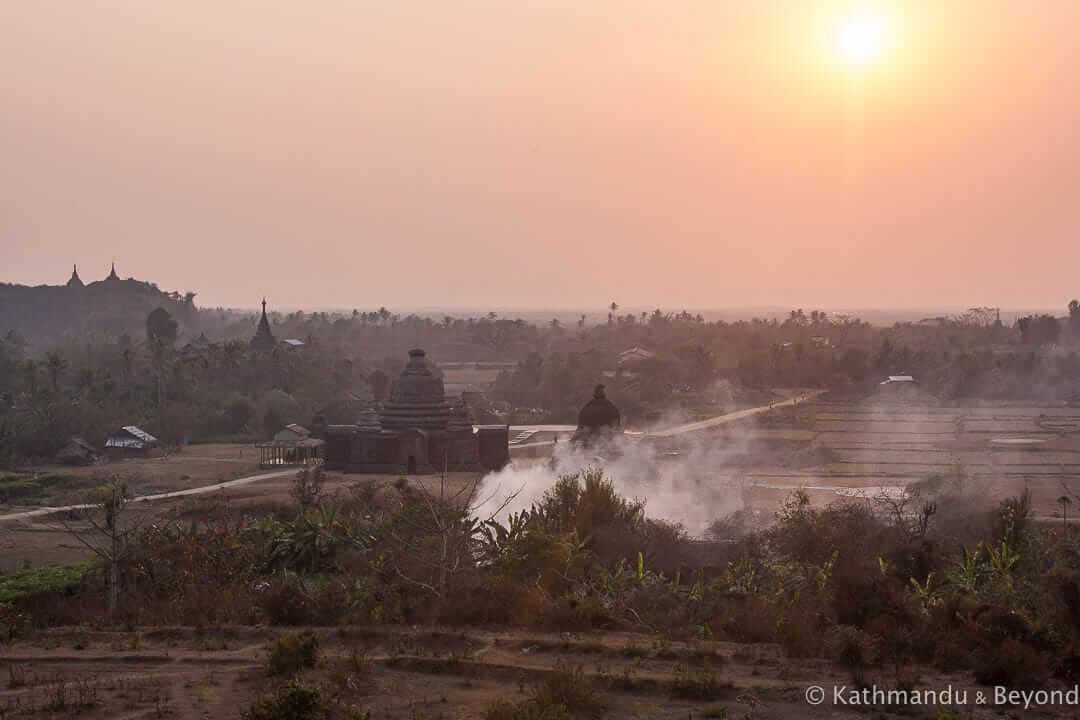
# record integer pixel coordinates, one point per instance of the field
(195, 466)
(1001, 450)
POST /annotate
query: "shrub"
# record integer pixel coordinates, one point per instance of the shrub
(1012, 664)
(564, 694)
(851, 647)
(568, 686)
(506, 710)
(291, 702)
(283, 602)
(696, 684)
(308, 487)
(292, 653)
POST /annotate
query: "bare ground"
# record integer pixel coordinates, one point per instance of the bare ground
(416, 673)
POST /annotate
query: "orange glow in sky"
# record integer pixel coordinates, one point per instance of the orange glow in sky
(556, 153)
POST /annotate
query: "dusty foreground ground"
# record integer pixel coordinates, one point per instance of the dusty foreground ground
(423, 673)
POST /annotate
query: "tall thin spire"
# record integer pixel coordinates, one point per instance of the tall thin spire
(264, 338)
(112, 273)
(75, 280)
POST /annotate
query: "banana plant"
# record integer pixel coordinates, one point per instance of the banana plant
(1002, 561)
(969, 570)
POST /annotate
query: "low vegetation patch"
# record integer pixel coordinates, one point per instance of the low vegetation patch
(44, 579)
(564, 694)
(290, 702)
(292, 652)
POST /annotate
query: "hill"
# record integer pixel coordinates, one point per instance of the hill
(45, 315)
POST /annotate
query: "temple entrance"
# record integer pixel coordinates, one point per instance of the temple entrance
(411, 465)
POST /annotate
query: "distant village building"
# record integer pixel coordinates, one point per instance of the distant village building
(470, 393)
(892, 379)
(264, 338)
(292, 445)
(77, 452)
(416, 431)
(130, 441)
(292, 433)
(293, 343)
(634, 355)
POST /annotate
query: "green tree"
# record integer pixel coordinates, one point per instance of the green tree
(55, 365)
(161, 327)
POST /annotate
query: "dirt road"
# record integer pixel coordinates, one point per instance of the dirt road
(678, 429)
(23, 515)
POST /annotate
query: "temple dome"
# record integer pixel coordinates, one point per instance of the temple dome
(417, 398)
(461, 418)
(599, 412)
(368, 420)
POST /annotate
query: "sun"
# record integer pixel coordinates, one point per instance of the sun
(859, 38)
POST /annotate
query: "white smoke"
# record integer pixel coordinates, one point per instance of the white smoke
(692, 485)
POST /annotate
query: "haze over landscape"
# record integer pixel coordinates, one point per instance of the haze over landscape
(544, 154)
(539, 360)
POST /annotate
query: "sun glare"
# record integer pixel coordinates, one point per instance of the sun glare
(859, 39)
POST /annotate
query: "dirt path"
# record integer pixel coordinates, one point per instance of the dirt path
(678, 429)
(201, 490)
(733, 416)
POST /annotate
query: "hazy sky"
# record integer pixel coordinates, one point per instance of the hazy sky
(544, 152)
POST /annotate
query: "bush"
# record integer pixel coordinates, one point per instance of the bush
(565, 693)
(1011, 664)
(851, 647)
(292, 653)
(308, 487)
(506, 710)
(291, 702)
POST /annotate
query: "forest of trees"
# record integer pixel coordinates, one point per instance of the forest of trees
(187, 374)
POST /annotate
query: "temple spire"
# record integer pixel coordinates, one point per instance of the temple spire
(112, 273)
(75, 280)
(264, 340)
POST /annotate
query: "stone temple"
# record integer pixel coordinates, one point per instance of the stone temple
(416, 431)
(598, 421)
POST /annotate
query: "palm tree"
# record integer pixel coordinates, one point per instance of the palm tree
(1064, 502)
(55, 365)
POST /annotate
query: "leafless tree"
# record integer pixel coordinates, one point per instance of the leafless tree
(106, 528)
(907, 511)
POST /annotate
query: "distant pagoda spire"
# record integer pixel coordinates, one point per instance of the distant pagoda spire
(264, 340)
(112, 273)
(75, 281)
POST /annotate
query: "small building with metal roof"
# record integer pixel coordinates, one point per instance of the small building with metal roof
(130, 441)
